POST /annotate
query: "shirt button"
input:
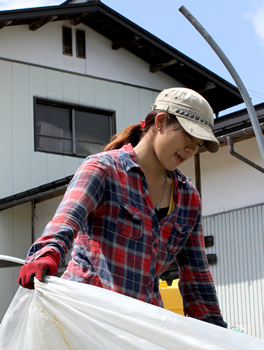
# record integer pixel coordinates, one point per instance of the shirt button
(155, 245)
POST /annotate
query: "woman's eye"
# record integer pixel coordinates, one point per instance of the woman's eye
(188, 135)
(191, 137)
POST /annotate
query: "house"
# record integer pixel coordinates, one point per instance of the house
(73, 75)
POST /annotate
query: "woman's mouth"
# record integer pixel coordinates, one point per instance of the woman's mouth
(180, 158)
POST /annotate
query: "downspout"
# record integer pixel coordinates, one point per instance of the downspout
(230, 140)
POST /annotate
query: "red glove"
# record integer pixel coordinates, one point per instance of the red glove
(44, 265)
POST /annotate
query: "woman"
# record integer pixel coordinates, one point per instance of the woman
(130, 211)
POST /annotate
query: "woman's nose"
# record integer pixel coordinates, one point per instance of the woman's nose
(192, 147)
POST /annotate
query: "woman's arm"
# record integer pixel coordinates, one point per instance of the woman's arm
(83, 195)
(196, 283)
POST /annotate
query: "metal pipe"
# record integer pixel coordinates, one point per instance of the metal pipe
(230, 142)
(233, 73)
(12, 259)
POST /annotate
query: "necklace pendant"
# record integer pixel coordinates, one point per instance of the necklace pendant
(157, 207)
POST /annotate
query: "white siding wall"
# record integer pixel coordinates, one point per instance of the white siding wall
(44, 47)
(22, 168)
(239, 272)
(15, 238)
(32, 64)
(43, 213)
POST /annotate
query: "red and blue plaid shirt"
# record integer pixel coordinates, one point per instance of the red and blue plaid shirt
(120, 245)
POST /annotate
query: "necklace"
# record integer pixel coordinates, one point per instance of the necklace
(158, 205)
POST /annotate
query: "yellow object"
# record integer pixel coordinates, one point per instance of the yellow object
(171, 296)
(172, 205)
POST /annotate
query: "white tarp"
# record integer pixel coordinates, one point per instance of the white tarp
(60, 314)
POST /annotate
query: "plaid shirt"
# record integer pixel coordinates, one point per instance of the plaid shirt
(119, 243)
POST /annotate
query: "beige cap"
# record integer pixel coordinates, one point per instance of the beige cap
(192, 111)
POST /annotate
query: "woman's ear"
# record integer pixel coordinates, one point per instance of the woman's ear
(160, 120)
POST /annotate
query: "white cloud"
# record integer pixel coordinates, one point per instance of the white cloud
(257, 18)
(19, 4)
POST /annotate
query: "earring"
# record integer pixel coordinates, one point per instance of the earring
(159, 129)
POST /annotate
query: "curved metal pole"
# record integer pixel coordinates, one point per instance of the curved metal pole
(233, 73)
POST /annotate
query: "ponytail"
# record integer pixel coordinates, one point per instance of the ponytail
(133, 133)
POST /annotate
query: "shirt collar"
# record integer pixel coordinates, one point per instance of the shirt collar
(181, 177)
(128, 157)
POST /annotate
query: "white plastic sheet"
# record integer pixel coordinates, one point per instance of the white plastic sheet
(60, 314)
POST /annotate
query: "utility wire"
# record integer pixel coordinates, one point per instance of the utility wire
(261, 96)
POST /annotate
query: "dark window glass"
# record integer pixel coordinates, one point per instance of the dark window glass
(67, 40)
(70, 129)
(91, 130)
(80, 43)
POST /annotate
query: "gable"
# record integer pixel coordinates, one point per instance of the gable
(45, 48)
(125, 34)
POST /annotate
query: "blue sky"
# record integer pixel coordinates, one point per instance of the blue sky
(237, 26)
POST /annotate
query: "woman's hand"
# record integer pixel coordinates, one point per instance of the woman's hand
(44, 265)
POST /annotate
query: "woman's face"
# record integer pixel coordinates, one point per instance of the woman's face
(173, 146)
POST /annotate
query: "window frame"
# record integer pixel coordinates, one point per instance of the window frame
(80, 38)
(65, 45)
(72, 107)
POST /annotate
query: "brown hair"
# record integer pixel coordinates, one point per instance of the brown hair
(133, 133)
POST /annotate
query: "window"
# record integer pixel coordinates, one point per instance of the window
(80, 43)
(67, 40)
(71, 129)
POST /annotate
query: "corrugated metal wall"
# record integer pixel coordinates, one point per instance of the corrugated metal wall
(239, 272)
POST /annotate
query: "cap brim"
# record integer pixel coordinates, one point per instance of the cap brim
(201, 132)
